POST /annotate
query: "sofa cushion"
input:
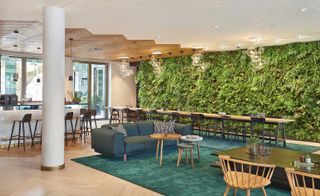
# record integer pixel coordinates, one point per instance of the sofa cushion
(131, 128)
(145, 127)
(137, 139)
(121, 130)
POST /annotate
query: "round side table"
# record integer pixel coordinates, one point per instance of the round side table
(193, 139)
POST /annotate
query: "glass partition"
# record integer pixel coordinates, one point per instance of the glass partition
(34, 79)
(98, 88)
(11, 75)
(80, 84)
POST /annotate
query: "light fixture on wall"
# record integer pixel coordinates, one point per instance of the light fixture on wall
(15, 77)
(124, 68)
(255, 54)
(197, 58)
(156, 62)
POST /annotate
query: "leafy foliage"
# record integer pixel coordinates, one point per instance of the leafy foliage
(288, 85)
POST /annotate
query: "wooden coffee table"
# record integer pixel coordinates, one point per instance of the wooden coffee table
(160, 137)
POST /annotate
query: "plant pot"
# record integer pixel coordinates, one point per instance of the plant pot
(253, 149)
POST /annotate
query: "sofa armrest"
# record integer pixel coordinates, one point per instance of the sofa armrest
(183, 129)
(107, 141)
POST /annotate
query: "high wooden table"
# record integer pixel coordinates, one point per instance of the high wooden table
(279, 122)
(160, 137)
(282, 158)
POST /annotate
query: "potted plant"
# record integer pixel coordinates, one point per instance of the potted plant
(253, 145)
(75, 99)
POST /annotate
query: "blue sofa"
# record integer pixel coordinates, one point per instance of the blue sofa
(109, 142)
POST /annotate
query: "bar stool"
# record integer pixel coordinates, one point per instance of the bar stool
(26, 119)
(86, 124)
(140, 115)
(197, 122)
(68, 118)
(187, 147)
(125, 115)
(153, 115)
(94, 114)
(175, 116)
(115, 116)
(131, 115)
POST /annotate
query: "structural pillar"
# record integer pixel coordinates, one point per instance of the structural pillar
(53, 88)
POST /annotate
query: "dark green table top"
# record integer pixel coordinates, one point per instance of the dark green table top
(282, 158)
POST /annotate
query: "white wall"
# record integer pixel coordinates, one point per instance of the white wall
(122, 91)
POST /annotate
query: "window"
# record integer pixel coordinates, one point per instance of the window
(34, 79)
(11, 75)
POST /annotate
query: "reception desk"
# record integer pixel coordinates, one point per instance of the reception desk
(7, 117)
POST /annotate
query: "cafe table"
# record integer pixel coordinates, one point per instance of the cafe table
(282, 158)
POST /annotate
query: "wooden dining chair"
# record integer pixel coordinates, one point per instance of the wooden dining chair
(245, 175)
(303, 184)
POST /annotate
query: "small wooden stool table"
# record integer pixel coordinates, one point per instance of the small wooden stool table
(193, 139)
(185, 146)
(160, 137)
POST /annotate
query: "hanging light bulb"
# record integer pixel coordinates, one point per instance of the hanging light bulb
(124, 68)
(255, 54)
(155, 62)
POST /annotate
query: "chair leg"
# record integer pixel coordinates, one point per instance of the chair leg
(95, 121)
(264, 191)
(32, 145)
(73, 132)
(24, 137)
(34, 132)
(65, 132)
(248, 192)
(227, 190)
(191, 156)
(13, 124)
(19, 134)
(125, 152)
(179, 157)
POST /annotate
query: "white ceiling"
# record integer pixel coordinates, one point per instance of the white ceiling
(188, 22)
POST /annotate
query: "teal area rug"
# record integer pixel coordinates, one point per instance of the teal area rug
(144, 170)
(221, 144)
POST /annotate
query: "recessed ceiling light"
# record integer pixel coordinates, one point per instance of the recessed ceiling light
(157, 52)
(255, 39)
(16, 31)
(197, 47)
(123, 57)
(38, 48)
(303, 9)
(278, 40)
(15, 45)
(216, 26)
(301, 36)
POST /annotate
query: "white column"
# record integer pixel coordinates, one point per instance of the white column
(53, 88)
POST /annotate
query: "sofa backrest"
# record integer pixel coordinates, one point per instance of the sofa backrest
(145, 127)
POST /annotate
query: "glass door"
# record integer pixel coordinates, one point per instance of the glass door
(80, 83)
(90, 86)
(98, 89)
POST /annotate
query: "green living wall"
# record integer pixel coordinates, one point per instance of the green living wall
(288, 85)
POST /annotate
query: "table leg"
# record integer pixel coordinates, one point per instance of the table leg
(157, 150)
(161, 152)
(284, 135)
(198, 146)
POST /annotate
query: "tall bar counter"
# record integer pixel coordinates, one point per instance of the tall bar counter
(17, 112)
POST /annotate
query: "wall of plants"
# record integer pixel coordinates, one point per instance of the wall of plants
(288, 85)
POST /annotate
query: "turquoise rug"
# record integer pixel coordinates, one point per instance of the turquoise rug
(144, 170)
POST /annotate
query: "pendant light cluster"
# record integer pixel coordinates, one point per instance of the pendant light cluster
(197, 59)
(255, 54)
(124, 68)
(156, 62)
